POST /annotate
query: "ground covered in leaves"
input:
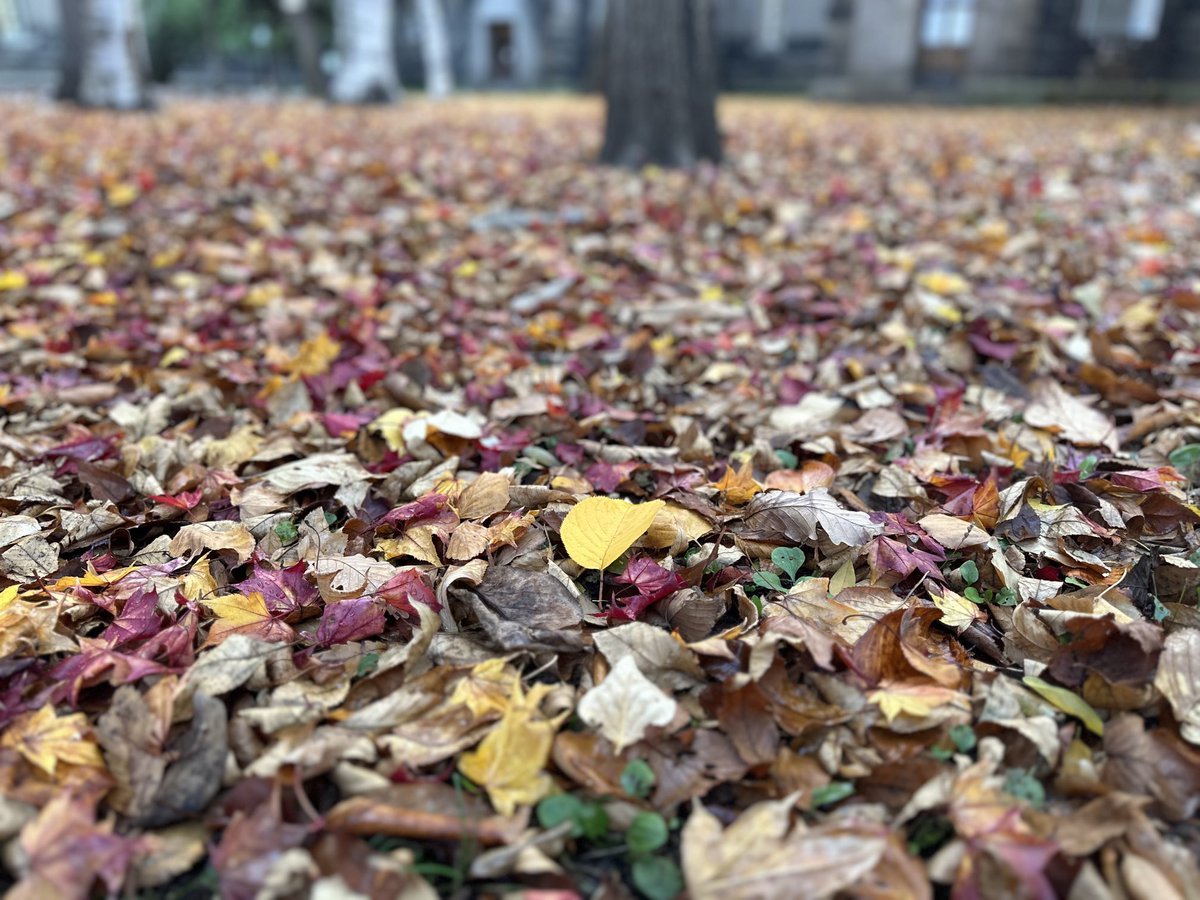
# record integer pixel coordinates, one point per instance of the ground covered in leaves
(396, 504)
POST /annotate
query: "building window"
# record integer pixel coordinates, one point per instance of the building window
(947, 23)
(1136, 20)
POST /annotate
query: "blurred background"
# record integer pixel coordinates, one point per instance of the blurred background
(956, 50)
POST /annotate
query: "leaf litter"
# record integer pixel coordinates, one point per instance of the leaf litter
(422, 510)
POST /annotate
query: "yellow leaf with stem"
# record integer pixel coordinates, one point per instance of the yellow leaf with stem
(599, 529)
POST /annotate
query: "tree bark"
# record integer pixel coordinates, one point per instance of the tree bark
(366, 40)
(72, 13)
(660, 84)
(307, 43)
(435, 45)
(114, 55)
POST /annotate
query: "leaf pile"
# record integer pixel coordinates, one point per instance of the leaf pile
(394, 504)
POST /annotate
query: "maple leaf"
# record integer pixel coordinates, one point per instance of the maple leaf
(406, 587)
(607, 477)
(738, 486)
(46, 739)
(890, 557)
(285, 591)
(97, 661)
(957, 611)
(66, 850)
(214, 536)
(245, 614)
(139, 619)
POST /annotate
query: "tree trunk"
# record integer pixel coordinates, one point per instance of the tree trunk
(660, 84)
(72, 13)
(366, 44)
(435, 45)
(114, 55)
(307, 43)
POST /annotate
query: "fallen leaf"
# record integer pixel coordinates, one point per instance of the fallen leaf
(625, 704)
(245, 614)
(191, 539)
(1067, 701)
(46, 739)
(509, 763)
(598, 530)
(1178, 678)
(788, 517)
(762, 856)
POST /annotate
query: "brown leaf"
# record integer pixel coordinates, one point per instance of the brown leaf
(762, 856)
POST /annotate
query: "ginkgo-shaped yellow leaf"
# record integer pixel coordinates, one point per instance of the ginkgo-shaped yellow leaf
(511, 760)
(46, 740)
(599, 529)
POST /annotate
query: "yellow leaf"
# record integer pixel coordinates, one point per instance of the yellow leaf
(1067, 701)
(218, 535)
(92, 579)
(172, 356)
(315, 356)
(599, 529)
(508, 531)
(390, 427)
(915, 699)
(487, 688)
(675, 527)
(843, 578)
(233, 450)
(246, 614)
(738, 486)
(417, 542)
(7, 596)
(46, 740)
(199, 583)
(122, 194)
(509, 763)
(239, 609)
(943, 282)
(957, 611)
(13, 281)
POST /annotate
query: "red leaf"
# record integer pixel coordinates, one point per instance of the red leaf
(406, 587)
(350, 620)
